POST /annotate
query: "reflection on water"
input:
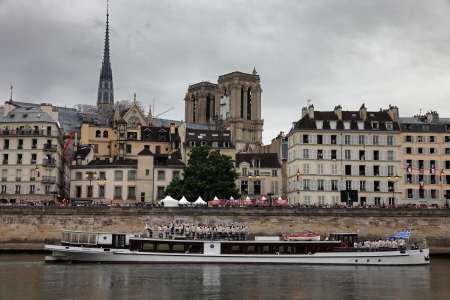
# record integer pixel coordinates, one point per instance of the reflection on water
(27, 277)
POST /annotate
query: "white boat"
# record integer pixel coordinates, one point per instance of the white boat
(125, 248)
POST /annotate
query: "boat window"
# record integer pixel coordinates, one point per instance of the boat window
(251, 249)
(266, 249)
(235, 249)
(178, 248)
(163, 248)
(148, 247)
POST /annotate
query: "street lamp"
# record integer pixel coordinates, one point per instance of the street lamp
(393, 179)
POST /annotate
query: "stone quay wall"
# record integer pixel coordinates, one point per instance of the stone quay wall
(38, 225)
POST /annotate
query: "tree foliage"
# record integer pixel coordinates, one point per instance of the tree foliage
(207, 174)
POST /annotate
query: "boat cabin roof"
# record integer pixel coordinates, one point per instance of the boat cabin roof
(233, 242)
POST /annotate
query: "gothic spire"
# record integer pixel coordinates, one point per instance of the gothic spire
(106, 72)
(105, 97)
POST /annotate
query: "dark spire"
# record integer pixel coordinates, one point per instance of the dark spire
(105, 97)
(106, 72)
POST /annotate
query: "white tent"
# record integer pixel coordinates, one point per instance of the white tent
(169, 202)
(247, 199)
(263, 198)
(215, 198)
(200, 202)
(184, 201)
(279, 198)
(231, 198)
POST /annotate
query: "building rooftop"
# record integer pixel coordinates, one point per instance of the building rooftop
(109, 164)
(27, 114)
(265, 160)
(372, 120)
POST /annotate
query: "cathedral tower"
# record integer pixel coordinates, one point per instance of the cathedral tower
(234, 103)
(105, 97)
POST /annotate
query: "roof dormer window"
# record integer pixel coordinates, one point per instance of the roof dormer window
(360, 125)
(375, 125)
(346, 125)
(332, 124)
(389, 126)
(319, 124)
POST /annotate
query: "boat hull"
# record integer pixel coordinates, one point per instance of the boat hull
(379, 258)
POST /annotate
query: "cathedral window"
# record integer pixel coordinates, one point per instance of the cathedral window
(208, 107)
(98, 134)
(242, 102)
(105, 134)
(249, 104)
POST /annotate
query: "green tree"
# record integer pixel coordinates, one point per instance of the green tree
(207, 174)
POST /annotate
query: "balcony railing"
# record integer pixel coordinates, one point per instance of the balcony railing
(49, 179)
(50, 147)
(31, 132)
(49, 162)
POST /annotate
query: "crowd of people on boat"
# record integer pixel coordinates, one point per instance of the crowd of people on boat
(380, 244)
(190, 231)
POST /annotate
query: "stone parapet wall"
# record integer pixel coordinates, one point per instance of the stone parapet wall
(38, 225)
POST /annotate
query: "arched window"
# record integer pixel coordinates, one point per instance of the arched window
(98, 134)
(249, 104)
(242, 102)
(105, 134)
(208, 107)
(194, 108)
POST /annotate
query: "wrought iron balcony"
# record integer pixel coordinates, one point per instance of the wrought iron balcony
(49, 162)
(49, 179)
(50, 147)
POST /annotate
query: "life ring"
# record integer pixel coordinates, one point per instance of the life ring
(344, 244)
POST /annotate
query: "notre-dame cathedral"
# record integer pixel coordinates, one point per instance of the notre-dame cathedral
(233, 103)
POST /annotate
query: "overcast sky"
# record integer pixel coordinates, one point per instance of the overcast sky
(332, 52)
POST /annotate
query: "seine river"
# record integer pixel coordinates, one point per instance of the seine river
(27, 277)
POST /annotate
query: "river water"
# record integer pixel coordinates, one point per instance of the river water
(28, 277)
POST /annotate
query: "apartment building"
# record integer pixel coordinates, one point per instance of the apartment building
(425, 159)
(259, 174)
(31, 151)
(121, 180)
(345, 157)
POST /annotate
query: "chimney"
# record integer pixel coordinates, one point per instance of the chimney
(338, 112)
(304, 111)
(172, 128)
(363, 112)
(393, 112)
(311, 112)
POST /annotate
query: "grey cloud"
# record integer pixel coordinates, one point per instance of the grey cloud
(333, 52)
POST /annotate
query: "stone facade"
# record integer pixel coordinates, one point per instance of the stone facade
(233, 103)
(348, 157)
(425, 159)
(32, 166)
(259, 174)
(122, 181)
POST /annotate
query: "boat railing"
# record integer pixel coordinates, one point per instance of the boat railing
(79, 238)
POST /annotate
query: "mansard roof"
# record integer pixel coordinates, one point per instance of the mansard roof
(109, 164)
(27, 114)
(382, 117)
(266, 160)
(170, 161)
(159, 134)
